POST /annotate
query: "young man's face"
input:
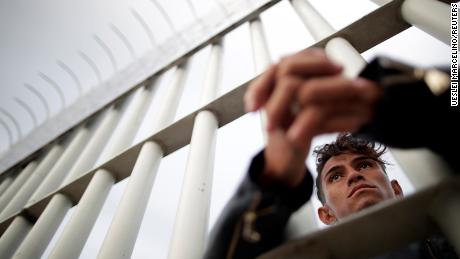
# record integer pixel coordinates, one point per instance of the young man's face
(352, 182)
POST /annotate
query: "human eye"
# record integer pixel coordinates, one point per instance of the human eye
(364, 165)
(334, 177)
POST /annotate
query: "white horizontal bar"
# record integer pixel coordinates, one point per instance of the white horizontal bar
(178, 134)
(168, 55)
(372, 228)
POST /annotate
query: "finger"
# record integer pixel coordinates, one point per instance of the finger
(304, 127)
(307, 64)
(346, 123)
(336, 89)
(319, 119)
(278, 107)
(283, 162)
(260, 89)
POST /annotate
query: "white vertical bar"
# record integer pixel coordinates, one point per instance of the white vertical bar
(431, 16)
(5, 184)
(193, 209)
(21, 197)
(342, 52)
(260, 51)
(59, 204)
(417, 164)
(17, 184)
(13, 236)
(189, 238)
(120, 239)
(76, 232)
(80, 224)
(62, 166)
(213, 74)
(312, 19)
(170, 101)
(262, 59)
(41, 233)
(129, 123)
(95, 146)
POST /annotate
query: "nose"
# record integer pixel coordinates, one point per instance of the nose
(354, 177)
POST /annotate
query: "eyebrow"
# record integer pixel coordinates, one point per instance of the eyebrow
(361, 158)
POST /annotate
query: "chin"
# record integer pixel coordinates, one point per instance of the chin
(366, 203)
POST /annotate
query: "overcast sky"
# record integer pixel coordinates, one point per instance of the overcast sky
(41, 32)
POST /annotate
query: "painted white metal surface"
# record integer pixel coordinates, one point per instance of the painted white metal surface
(122, 136)
(342, 52)
(213, 74)
(169, 54)
(260, 52)
(75, 233)
(43, 230)
(129, 123)
(193, 210)
(205, 126)
(56, 175)
(22, 196)
(316, 24)
(18, 182)
(433, 17)
(95, 145)
(6, 183)
(13, 236)
(381, 2)
(262, 59)
(120, 239)
(171, 100)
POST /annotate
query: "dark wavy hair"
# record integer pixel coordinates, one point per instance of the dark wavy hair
(346, 143)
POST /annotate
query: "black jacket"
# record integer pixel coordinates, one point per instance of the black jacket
(409, 115)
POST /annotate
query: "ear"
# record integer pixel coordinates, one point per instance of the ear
(397, 190)
(326, 215)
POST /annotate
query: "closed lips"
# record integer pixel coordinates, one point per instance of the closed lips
(357, 187)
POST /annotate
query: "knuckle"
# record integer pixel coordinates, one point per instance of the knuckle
(285, 66)
(308, 91)
(290, 84)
